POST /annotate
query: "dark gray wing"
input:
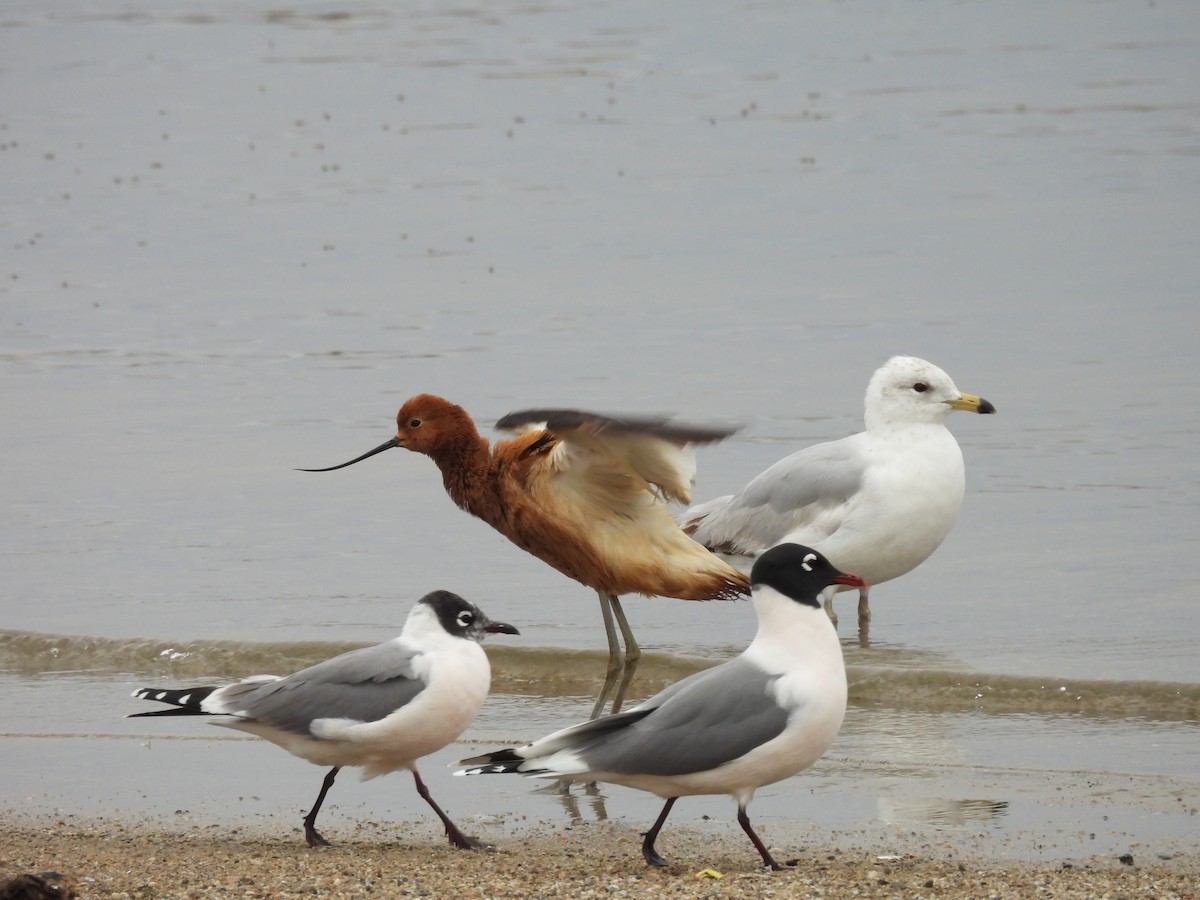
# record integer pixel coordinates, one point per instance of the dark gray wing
(702, 722)
(561, 421)
(365, 685)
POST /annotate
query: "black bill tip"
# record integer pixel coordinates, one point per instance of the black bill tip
(386, 445)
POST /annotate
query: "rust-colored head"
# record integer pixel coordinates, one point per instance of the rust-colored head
(425, 424)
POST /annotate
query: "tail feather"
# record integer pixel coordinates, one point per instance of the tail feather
(737, 588)
(183, 701)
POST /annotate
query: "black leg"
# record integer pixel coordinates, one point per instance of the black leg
(311, 835)
(648, 851)
(768, 860)
(457, 838)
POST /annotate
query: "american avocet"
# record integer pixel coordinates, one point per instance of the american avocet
(877, 503)
(757, 719)
(381, 708)
(583, 492)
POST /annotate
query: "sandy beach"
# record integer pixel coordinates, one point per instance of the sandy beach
(115, 859)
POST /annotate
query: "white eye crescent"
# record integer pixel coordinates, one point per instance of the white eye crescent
(465, 618)
(806, 563)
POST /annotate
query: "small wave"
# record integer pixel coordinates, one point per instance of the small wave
(1008, 694)
(33, 653)
(558, 672)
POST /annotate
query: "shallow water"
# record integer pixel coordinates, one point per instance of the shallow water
(896, 780)
(237, 241)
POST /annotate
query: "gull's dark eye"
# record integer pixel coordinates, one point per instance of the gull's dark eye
(414, 423)
(465, 619)
(920, 387)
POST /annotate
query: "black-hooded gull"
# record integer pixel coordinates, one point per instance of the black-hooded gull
(757, 719)
(381, 708)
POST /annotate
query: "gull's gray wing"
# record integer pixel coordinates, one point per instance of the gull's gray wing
(707, 719)
(813, 487)
(365, 685)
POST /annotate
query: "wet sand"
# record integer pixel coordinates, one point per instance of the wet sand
(99, 858)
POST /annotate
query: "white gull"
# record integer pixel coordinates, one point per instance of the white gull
(876, 503)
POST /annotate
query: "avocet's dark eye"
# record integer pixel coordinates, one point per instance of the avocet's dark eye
(465, 618)
(920, 387)
(414, 423)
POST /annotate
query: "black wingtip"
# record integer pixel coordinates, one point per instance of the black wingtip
(487, 760)
(173, 711)
(182, 701)
(502, 769)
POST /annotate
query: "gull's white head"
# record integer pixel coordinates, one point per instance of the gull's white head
(906, 390)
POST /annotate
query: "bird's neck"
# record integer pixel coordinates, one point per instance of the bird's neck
(464, 464)
(789, 631)
(882, 426)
